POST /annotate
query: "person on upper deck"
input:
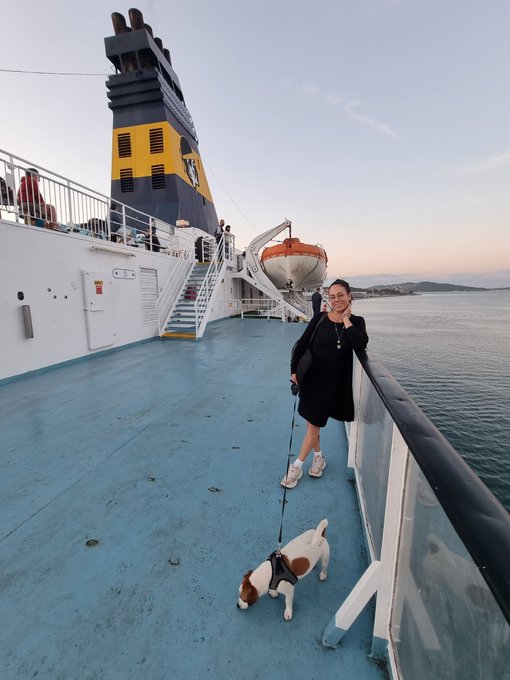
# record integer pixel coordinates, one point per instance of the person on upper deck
(31, 202)
(115, 222)
(219, 230)
(229, 237)
(316, 301)
(151, 240)
(326, 389)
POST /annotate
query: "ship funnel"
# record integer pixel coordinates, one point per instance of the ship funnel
(136, 19)
(150, 117)
(137, 24)
(166, 52)
(119, 23)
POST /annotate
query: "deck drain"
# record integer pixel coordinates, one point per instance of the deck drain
(236, 447)
(150, 478)
(213, 489)
(174, 561)
(91, 543)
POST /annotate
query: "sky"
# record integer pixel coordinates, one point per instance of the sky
(380, 128)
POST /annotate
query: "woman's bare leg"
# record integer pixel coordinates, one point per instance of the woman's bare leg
(311, 441)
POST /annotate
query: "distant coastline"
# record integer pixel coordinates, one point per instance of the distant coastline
(413, 288)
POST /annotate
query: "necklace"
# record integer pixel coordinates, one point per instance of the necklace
(338, 337)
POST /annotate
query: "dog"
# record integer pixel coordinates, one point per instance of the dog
(278, 574)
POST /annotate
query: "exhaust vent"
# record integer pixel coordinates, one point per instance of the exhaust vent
(126, 180)
(158, 176)
(156, 140)
(124, 145)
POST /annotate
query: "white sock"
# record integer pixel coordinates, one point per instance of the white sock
(317, 453)
(298, 462)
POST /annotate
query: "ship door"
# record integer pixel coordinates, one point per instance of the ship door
(97, 294)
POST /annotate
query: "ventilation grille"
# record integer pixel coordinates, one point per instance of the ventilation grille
(126, 180)
(156, 140)
(158, 176)
(149, 296)
(124, 145)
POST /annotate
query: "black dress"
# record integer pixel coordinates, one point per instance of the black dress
(326, 391)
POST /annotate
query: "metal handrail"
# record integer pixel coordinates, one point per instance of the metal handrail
(71, 208)
(169, 295)
(202, 303)
(480, 521)
(265, 306)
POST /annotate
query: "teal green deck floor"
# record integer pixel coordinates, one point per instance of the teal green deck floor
(169, 454)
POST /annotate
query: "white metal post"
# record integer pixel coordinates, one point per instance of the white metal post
(357, 381)
(379, 578)
(390, 542)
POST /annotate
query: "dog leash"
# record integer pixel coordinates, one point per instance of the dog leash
(284, 501)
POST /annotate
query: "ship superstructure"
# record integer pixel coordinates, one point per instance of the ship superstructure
(156, 166)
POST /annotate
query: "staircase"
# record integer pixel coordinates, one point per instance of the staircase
(182, 322)
(298, 301)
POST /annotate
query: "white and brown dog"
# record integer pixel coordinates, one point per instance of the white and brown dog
(278, 574)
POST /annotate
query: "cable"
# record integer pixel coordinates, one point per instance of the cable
(221, 185)
(52, 73)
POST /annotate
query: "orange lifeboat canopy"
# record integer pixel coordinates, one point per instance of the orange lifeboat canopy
(293, 246)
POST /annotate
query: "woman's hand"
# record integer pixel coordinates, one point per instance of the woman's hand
(293, 378)
(346, 314)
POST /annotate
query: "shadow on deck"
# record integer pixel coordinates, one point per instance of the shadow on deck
(170, 456)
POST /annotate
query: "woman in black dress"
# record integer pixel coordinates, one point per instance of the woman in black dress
(326, 391)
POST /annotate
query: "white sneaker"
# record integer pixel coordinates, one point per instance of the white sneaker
(292, 478)
(318, 465)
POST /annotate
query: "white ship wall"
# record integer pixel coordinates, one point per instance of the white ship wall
(47, 268)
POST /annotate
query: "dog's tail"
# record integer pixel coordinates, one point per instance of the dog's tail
(320, 532)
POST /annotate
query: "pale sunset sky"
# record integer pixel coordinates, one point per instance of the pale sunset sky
(381, 128)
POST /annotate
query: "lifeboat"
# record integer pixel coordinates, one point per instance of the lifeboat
(294, 265)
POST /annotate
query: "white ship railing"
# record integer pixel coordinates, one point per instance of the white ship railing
(262, 307)
(70, 208)
(439, 543)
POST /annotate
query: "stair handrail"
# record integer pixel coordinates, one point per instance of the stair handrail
(203, 306)
(297, 300)
(169, 295)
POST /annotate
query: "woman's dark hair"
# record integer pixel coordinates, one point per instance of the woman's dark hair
(341, 282)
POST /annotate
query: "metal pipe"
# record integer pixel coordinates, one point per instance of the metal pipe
(27, 320)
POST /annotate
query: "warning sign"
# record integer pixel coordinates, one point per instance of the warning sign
(99, 287)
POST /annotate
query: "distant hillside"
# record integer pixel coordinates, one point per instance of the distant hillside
(423, 287)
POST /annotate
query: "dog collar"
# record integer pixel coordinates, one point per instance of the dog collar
(280, 571)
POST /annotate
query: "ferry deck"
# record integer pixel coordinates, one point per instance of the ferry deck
(137, 489)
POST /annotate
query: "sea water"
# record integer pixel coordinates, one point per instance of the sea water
(451, 352)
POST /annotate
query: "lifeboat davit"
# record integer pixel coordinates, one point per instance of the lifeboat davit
(295, 265)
